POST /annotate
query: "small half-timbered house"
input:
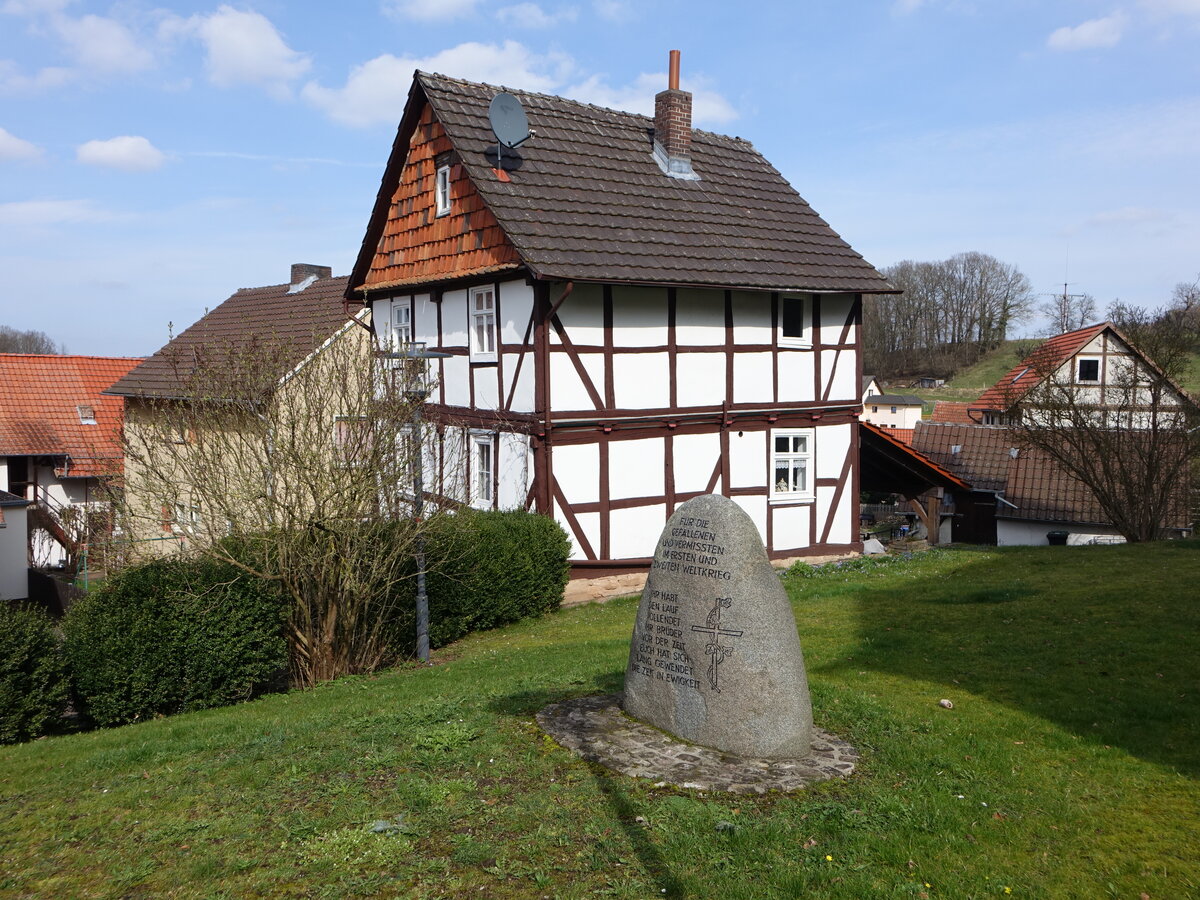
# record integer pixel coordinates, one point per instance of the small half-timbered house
(633, 313)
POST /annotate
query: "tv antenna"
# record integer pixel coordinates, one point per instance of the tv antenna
(509, 124)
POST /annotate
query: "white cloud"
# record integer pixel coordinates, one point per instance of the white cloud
(14, 148)
(905, 7)
(1172, 7)
(1091, 34)
(13, 81)
(530, 15)
(375, 92)
(429, 10)
(1128, 216)
(128, 153)
(40, 213)
(242, 48)
(708, 106)
(617, 11)
(102, 45)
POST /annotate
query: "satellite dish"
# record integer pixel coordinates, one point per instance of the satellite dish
(509, 123)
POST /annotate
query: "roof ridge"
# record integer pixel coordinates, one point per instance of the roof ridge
(584, 103)
(267, 287)
(66, 356)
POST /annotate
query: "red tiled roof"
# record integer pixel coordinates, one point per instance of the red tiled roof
(1023, 377)
(40, 410)
(585, 200)
(895, 449)
(903, 435)
(951, 413)
(287, 326)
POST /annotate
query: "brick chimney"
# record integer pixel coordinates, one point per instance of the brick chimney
(673, 127)
(304, 274)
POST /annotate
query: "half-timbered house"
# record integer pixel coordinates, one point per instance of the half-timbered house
(633, 313)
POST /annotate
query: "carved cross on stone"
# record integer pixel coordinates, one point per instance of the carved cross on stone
(714, 649)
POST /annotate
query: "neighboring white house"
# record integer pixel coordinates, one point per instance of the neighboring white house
(14, 547)
(901, 411)
(621, 334)
(60, 439)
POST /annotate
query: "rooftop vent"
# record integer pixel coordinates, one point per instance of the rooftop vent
(304, 274)
(673, 127)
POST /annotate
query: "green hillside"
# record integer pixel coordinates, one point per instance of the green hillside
(1069, 766)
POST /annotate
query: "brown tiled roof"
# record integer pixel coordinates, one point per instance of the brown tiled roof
(951, 413)
(586, 200)
(290, 325)
(40, 414)
(1040, 490)
(1023, 377)
(982, 456)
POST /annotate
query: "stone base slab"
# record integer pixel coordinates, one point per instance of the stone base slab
(596, 729)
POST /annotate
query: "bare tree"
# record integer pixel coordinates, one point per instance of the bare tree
(1067, 312)
(13, 340)
(305, 481)
(951, 312)
(1124, 429)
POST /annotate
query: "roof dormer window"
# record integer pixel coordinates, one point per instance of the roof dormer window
(441, 190)
(87, 415)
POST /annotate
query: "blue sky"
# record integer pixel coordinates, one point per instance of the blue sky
(156, 157)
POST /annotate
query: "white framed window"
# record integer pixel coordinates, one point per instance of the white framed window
(186, 518)
(1087, 370)
(792, 463)
(87, 415)
(441, 191)
(402, 334)
(483, 468)
(795, 320)
(483, 324)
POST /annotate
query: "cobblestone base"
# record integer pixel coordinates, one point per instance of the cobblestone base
(596, 729)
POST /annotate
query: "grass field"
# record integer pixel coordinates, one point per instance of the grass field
(1069, 766)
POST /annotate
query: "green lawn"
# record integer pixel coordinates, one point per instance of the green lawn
(1068, 767)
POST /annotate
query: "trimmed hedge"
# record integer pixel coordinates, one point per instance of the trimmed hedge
(488, 569)
(33, 679)
(175, 635)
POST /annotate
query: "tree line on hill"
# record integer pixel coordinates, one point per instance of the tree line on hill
(951, 313)
(14, 340)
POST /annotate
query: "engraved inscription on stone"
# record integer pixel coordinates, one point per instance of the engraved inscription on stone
(714, 657)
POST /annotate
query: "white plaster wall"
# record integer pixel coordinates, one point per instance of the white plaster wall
(751, 318)
(699, 317)
(695, 457)
(1023, 533)
(796, 375)
(756, 509)
(841, 369)
(3, 473)
(699, 379)
(748, 460)
(567, 391)
(834, 310)
(487, 391)
(640, 380)
(513, 471)
(832, 445)
(14, 573)
(456, 372)
(634, 533)
(523, 397)
(635, 469)
(582, 315)
(640, 316)
(752, 381)
(589, 522)
(454, 319)
(576, 468)
(516, 306)
(424, 320)
(790, 527)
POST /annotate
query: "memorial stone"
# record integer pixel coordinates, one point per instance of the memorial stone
(715, 658)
